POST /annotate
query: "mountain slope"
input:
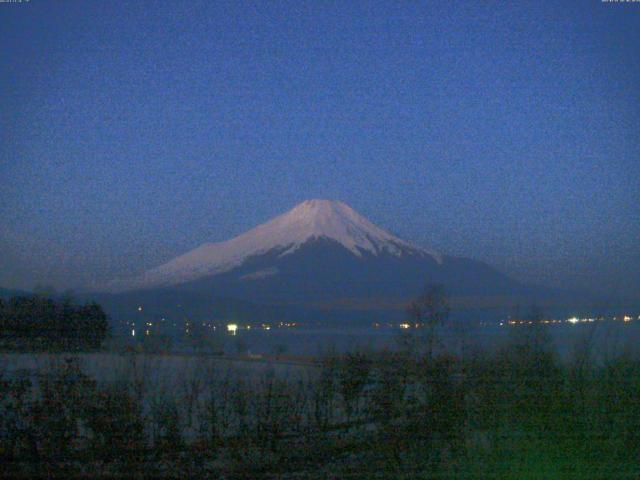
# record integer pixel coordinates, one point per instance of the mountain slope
(320, 255)
(284, 234)
(323, 270)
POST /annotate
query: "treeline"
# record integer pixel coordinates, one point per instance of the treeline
(45, 324)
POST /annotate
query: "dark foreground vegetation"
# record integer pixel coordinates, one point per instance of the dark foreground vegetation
(416, 412)
(38, 323)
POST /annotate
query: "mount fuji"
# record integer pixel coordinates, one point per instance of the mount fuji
(322, 252)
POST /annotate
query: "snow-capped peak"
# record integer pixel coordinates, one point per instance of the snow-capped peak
(330, 219)
(308, 220)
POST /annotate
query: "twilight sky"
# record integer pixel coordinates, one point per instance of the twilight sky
(131, 132)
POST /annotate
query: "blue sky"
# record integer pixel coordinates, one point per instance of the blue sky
(507, 132)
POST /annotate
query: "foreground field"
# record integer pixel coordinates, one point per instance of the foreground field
(514, 412)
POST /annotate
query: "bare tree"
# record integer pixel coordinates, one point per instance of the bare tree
(426, 314)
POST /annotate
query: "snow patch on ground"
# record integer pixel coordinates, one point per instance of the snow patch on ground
(260, 274)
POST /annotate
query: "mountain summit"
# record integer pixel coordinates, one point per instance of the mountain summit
(329, 219)
(309, 221)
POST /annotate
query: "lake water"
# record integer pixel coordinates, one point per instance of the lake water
(607, 338)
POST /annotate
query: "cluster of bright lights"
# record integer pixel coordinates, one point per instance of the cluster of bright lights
(233, 328)
(571, 320)
(518, 322)
(286, 325)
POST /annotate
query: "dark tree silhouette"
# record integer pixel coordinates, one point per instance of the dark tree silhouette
(40, 323)
(426, 313)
